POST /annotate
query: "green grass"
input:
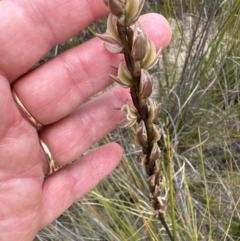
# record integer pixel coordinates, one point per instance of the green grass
(198, 85)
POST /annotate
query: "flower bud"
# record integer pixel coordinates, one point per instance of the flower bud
(151, 180)
(155, 152)
(139, 47)
(130, 115)
(146, 84)
(157, 191)
(158, 167)
(111, 36)
(124, 77)
(162, 202)
(151, 57)
(141, 135)
(156, 135)
(154, 109)
(133, 10)
(129, 112)
(117, 7)
(142, 159)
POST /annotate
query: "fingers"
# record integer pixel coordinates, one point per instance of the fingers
(157, 29)
(55, 89)
(71, 137)
(8, 110)
(67, 185)
(32, 27)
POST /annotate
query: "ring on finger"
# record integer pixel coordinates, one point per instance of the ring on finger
(36, 123)
(52, 165)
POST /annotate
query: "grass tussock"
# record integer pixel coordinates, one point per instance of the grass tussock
(198, 81)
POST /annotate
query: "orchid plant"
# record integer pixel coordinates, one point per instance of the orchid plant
(140, 55)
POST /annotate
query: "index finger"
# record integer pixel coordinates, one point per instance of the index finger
(30, 28)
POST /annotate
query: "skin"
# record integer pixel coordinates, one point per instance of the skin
(54, 94)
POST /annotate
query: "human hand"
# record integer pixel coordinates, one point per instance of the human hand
(54, 94)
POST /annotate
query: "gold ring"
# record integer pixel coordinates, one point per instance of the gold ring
(30, 117)
(52, 165)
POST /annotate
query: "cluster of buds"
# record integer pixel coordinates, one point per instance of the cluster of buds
(139, 56)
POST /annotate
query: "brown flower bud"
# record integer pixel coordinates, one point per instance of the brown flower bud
(155, 152)
(141, 135)
(142, 159)
(146, 84)
(117, 7)
(157, 168)
(157, 191)
(151, 180)
(156, 135)
(161, 201)
(139, 47)
(154, 109)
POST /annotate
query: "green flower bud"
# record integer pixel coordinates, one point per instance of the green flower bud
(130, 115)
(151, 57)
(124, 77)
(133, 10)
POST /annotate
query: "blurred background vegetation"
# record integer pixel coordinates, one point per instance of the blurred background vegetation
(197, 82)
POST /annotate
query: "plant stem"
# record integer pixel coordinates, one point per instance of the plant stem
(170, 176)
(162, 220)
(141, 106)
